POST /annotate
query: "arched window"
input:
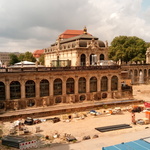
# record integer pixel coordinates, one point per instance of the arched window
(114, 83)
(44, 88)
(93, 84)
(101, 57)
(104, 83)
(135, 73)
(145, 72)
(82, 85)
(83, 60)
(15, 90)
(57, 87)
(30, 88)
(70, 86)
(2, 91)
(148, 72)
(93, 59)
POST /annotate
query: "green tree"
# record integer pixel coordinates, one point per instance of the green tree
(28, 56)
(21, 57)
(13, 59)
(127, 48)
(41, 59)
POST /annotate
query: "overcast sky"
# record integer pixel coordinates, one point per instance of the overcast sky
(28, 25)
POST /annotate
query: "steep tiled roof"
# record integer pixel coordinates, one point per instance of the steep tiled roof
(71, 33)
(38, 53)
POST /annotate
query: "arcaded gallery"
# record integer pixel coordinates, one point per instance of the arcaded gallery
(76, 69)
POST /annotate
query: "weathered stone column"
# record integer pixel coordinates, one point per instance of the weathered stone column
(87, 84)
(7, 90)
(51, 88)
(64, 89)
(87, 60)
(64, 86)
(37, 88)
(109, 87)
(23, 92)
(76, 85)
(98, 83)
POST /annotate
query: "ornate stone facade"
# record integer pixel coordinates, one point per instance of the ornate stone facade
(83, 79)
(79, 50)
(25, 89)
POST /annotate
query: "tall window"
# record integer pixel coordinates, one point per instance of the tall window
(93, 84)
(135, 73)
(114, 83)
(15, 90)
(149, 72)
(2, 91)
(93, 59)
(30, 88)
(83, 60)
(104, 83)
(70, 86)
(44, 88)
(82, 85)
(57, 87)
(101, 57)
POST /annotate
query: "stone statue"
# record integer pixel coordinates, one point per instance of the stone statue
(106, 43)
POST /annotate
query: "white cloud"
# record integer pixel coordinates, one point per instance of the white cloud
(31, 25)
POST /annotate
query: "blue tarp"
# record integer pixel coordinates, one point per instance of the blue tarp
(133, 145)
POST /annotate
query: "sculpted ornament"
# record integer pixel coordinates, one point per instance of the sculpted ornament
(93, 44)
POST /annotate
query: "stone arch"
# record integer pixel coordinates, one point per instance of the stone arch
(15, 90)
(114, 83)
(44, 87)
(58, 86)
(104, 95)
(70, 86)
(82, 97)
(58, 100)
(104, 83)
(30, 102)
(2, 91)
(82, 85)
(93, 84)
(30, 88)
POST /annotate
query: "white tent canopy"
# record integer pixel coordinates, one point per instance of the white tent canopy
(25, 63)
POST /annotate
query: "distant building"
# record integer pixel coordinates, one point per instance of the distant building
(37, 54)
(81, 49)
(5, 58)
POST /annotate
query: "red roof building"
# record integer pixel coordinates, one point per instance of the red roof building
(38, 53)
(72, 33)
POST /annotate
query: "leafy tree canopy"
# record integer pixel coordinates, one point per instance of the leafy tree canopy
(28, 56)
(128, 48)
(13, 59)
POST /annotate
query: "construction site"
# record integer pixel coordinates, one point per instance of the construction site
(74, 124)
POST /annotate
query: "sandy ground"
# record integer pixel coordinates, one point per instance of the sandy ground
(86, 123)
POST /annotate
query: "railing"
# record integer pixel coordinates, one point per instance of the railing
(47, 69)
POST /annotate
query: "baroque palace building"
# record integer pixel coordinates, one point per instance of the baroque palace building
(77, 69)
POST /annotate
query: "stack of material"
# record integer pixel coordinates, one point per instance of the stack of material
(113, 127)
(12, 141)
